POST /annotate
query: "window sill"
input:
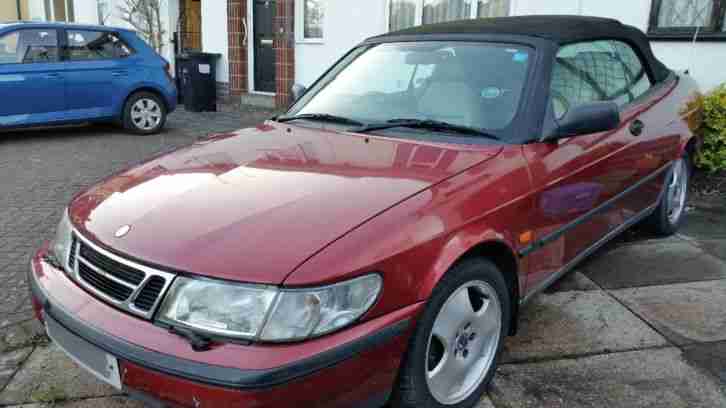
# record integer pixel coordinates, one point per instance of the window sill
(686, 36)
(310, 41)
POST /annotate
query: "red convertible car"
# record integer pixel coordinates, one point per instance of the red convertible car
(375, 243)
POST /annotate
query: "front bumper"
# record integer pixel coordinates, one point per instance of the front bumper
(356, 367)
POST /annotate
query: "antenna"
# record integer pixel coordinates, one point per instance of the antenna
(693, 47)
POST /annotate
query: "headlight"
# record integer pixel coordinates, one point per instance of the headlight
(269, 314)
(219, 307)
(300, 314)
(61, 244)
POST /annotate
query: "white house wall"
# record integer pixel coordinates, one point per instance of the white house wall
(347, 23)
(214, 35)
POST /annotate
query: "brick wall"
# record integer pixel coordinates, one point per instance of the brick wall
(236, 11)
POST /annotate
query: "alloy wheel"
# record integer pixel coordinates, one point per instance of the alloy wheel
(677, 191)
(463, 342)
(146, 114)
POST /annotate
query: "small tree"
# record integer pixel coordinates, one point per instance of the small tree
(145, 17)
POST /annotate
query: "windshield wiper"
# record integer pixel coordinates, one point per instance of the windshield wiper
(426, 124)
(323, 117)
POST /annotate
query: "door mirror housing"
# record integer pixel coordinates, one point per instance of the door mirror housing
(587, 119)
(298, 91)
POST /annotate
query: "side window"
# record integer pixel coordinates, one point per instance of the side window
(9, 48)
(86, 45)
(596, 71)
(29, 46)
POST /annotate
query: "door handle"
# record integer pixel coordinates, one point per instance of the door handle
(53, 76)
(119, 73)
(636, 127)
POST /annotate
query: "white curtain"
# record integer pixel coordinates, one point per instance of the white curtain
(439, 11)
(685, 13)
(493, 8)
(402, 14)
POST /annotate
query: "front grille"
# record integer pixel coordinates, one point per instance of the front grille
(130, 286)
(72, 256)
(147, 296)
(108, 265)
(105, 285)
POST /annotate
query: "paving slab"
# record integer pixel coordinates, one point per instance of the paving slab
(10, 362)
(715, 247)
(49, 375)
(653, 264)
(705, 223)
(574, 324)
(710, 357)
(111, 402)
(638, 379)
(684, 313)
(23, 334)
(572, 281)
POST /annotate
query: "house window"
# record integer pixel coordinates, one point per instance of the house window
(408, 13)
(311, 17)
(493, 8)
(439, 11)
(402, 14)
(59, 10)
(681, 19)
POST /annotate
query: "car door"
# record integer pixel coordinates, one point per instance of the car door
(32, 83)
(583, 181)
(97, 69)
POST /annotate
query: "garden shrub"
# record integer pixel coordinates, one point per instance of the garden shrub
(712, 154)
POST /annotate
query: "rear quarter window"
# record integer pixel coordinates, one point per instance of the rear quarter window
(83, 45)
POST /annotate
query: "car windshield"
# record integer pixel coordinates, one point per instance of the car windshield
(475, 85)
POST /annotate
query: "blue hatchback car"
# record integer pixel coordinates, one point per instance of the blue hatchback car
(54, 73)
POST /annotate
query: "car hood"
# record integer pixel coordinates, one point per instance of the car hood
(252, 205)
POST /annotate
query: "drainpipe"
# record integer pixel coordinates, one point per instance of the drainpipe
(20, 13)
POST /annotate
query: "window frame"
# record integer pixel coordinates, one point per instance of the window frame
(300, 23)
(713, 32)
(419, 14)
(65, 51)
(58, 57)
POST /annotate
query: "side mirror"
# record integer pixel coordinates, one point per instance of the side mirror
(298, 91)
(586, 119)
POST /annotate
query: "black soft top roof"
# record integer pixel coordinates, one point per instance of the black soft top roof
(559, 29)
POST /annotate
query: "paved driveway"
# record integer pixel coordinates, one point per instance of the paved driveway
(640, 324)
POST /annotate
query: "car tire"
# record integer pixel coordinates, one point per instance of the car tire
(444, 350)
(668, 216)
(144, 113)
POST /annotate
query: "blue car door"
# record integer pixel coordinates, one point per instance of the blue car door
(97, 72)
(32, 84)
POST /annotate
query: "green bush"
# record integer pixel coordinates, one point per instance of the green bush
(712, 155)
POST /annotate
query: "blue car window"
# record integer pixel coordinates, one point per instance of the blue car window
(29, 46)
(86, 45)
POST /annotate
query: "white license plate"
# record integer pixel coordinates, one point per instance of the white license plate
(96, 361)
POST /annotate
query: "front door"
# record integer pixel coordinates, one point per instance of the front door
(587, 181)
(264, 12)
(31, 78)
